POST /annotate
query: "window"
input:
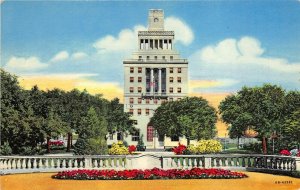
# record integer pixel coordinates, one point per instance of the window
(148, 57)
(163, 101)
(155, 101)
(179, 70)
(171, 70)
(178, 99)
(171, 90)
(155, 57)
(139, 111)
(131, 70)
(139, 100)
(139, 79)
(179, 79)
(174, 138)
(178, 90)
(139, 89)
(171, 79)
(163, 57)
(147, 111)
(140, 58)
(171, 57)
(119, 136)
(131, 111)
(135, 135)
(147, 101)
(131, 100)
(171, 99)
(150, 133)
(131, 89)
(131, 79)
(140, 70)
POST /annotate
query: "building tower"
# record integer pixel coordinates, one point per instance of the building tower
(154, 75)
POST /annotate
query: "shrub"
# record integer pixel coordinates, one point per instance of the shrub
(254, 147)
(131, 149)
(285, 152)
(140, 145)
(205, 147)
(179, 149)
(26, 150)
(118, 149)
(5, 149)
(56, 145)
(295, 152)
(80, 147)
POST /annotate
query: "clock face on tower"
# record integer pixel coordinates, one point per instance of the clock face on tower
(155, 19)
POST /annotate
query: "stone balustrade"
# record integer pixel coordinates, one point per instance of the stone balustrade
(25, 164)
(233, 161)
(28, 164)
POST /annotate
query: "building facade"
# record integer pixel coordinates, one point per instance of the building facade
(155, 74)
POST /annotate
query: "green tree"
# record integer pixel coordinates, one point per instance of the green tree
(191, 117)
(291, 129)
(261, 108)
(92, 134)
(54, 126)
(20, 127)
(118, 120)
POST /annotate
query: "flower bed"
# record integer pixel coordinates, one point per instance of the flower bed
(285, 153)
(202, 147)
(120, 149)
(155, 173)
(56, 145)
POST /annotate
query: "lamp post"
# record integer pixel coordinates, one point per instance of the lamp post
(225, 142)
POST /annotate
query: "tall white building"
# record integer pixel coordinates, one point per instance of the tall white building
(155, 74)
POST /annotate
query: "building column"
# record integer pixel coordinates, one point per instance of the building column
(160, 80)
(151, 81)
(167, 43)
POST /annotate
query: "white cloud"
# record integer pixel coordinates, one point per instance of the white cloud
(183, 33)
(60, 56)
(245, 51)
(250, 47)
(126, 41)
(22, 64)
(79, 55)
(225, 52)
(242, 61)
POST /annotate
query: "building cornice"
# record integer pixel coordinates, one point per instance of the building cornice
(160, 61)
(156, 33)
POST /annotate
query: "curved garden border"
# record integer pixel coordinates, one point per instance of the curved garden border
(155, 173)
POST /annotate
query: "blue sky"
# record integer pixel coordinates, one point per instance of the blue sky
(229, 44)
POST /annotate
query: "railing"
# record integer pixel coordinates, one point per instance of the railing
(238, 161)
(28, 164)
(20, 164)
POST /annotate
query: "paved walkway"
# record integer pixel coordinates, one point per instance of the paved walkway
(43, 181)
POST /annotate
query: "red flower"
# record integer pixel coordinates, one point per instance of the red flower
(155, 173)
(131, 149)
(179, 149)
(285, 153)
(56, 143)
